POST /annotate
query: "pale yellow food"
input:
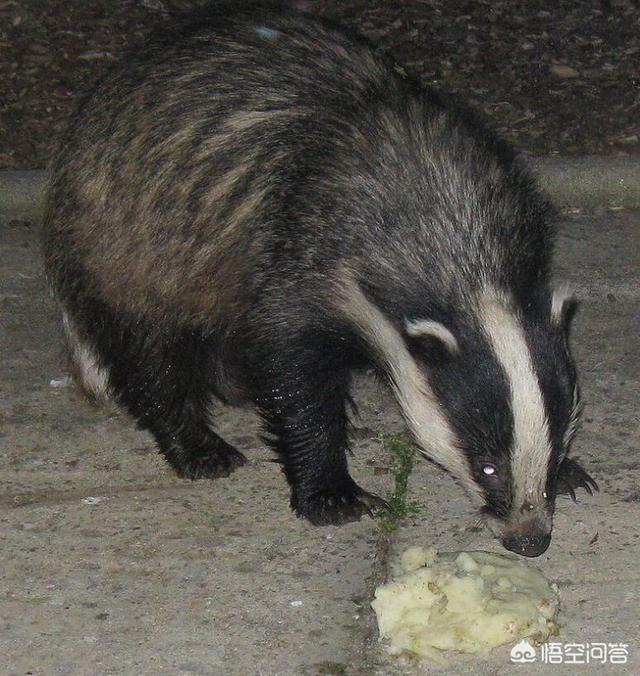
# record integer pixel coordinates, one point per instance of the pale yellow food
(463, 601)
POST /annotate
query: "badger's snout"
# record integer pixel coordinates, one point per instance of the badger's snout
(530, 544)
(528, 537)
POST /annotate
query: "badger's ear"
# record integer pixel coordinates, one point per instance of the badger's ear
(428, 328)
(563, 305)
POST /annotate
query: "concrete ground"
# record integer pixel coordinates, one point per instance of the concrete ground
(111, 565)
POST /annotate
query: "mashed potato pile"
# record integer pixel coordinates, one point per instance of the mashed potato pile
(464, 601)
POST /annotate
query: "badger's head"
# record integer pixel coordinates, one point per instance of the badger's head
(491, 395)
(506, 386)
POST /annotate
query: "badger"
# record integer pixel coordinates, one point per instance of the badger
(251, 207)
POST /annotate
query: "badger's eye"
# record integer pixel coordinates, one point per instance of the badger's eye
(489, 470)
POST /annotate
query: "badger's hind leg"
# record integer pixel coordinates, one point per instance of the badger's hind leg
(185, 438)
(165, 381)
(167, 385)
(194, 450)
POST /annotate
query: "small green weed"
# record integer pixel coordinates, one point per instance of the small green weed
(402, 453)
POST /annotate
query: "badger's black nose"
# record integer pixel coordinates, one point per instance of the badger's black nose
(527, 545)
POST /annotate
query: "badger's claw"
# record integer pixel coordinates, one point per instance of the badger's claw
(572, 476)
(335, 507)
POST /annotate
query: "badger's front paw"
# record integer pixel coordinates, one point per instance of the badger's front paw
(572, 476)
(336, 505)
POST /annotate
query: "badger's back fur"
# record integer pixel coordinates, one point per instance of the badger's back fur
(254, 207)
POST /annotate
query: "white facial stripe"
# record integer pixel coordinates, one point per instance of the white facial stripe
(417, 401)
(428, 327)
(531, 445)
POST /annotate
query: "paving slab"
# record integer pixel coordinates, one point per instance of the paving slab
(111, 565)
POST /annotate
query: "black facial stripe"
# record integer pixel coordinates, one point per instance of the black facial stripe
(476, 398)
